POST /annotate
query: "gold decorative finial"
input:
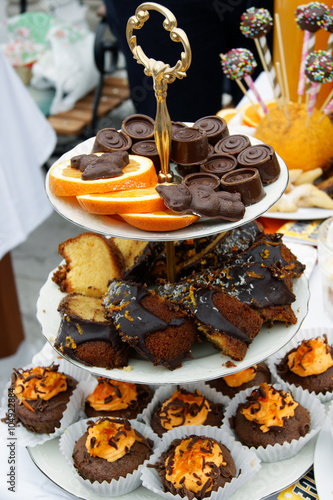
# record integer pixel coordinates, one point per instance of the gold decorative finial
(162, 75)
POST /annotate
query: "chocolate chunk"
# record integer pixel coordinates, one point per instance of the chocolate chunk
(98, 167)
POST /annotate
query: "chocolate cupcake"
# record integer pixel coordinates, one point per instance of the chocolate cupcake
(112, 398)
(263, 158)
(148, 149)
(138, 127)
(189, 146)
(250, 377)
(245, 181)
(185, 407)
(109, 140)
(41, 397)
(219, 164)
(232, 145)
(215, 127)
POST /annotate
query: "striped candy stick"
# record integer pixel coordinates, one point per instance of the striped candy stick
(329, 108)
(250, 83)
(269, 65)
(330, 44)
(313, 98)
(310, 49)
(305, 50)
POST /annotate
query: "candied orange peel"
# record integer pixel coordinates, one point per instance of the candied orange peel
(39, 383)
(269, 407)
(191, 465)
(110, 439)
(242, 377)
(184, 408)
(112, 395)
(312, 357)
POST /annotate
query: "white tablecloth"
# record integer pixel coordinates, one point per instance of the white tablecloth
(26, 142)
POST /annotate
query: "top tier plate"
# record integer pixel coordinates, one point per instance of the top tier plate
(70, 209)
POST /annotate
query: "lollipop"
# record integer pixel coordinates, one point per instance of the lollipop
(255, 24)
(309, 18)
(328, 25)
(319, 69)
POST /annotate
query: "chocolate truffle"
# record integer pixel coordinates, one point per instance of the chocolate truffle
(310, 17)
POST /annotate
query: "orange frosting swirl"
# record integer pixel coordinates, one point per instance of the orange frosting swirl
(39, 383)
(242, 377)
(111, 395)
(269, 407)
(312, 357)
(184, 408)
(192, 463)
(110, 439)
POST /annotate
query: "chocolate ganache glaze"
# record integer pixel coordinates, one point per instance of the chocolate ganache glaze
(245, 181)
(263, 158)
(109, 140)
(232, 145)
(100, 166)
(219, 164)
(202, 200)
(189, 146)
(138, 127)
(215, 127)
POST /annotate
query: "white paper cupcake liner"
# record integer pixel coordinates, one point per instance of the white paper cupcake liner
(330, 417)
(247, 464)
(164, 392)
(287, 450)
(86, 384)
(116, 487)
(305, 334)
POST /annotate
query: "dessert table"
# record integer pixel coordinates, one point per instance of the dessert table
(31, 483)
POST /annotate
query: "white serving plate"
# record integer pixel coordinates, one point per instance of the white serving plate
(271, 478)
(323, 460)
(70, 209)
(301, 214)
(208, 363)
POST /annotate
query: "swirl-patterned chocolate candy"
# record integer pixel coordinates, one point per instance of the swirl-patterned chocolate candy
(245, 181)
(219, 164)
(148, 149)
(138, 127)
(109, 140)
(263, 158)
(189, 146)
(215, 127)
(232, 145)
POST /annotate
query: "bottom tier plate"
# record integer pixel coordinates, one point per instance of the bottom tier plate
(207, 362)
(272, 477)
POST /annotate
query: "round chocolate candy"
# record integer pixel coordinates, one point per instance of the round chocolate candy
(263, 158)
(215, 127)
(245, 181)
(177, 125)
(310, 17)
(149, 150)
(256, 23)
(189, 146)
(319, 66)
(202, 179)
(109, 140)
(138, 127)
(232, 145)
(219, 164)
(238, 63)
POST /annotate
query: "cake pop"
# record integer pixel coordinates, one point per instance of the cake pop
(310, 17)
(256, 23)
(319, 67)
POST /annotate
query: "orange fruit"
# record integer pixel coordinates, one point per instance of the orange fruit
(251, 118)
(67, 181)
(117, 202)
(160, 221)
(300, 144)
(227, 113)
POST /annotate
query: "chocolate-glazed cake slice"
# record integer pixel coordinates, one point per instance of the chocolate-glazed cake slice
(264, 289)
(85, 335)
(157, 329)
(225, 321)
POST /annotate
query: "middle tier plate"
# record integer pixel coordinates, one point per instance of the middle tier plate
(207, 362)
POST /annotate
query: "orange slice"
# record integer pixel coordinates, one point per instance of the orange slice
(160, 221)
(227, 113)
(67, 181)
(251, 118)
(128, 201)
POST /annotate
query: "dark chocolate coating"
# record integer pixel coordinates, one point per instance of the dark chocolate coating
(245, 181)
(232, 145)
(101, 166)
(148, 149)
(202, 179)
(109, 140)
(189, 146)
(215, 127)
(263, 158)
(310, 17)
(219, 164)
(138, 127)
